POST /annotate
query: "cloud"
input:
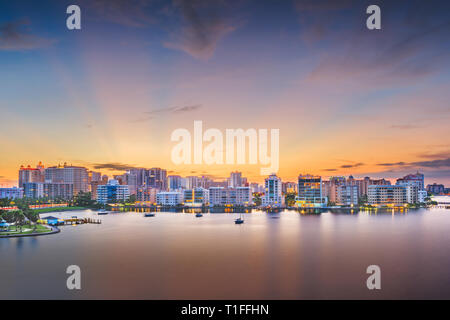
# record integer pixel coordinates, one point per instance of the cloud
(172, 110)
(14, 38)
(329, 169)
(131, 13)
(438, 163)
(403, 50)
(113, 166)
(204, 25)
(391, 164)
(345, 166)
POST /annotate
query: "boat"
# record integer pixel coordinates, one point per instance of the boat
(239, 220)
(149, 214)
(102, 211)
(198, 215)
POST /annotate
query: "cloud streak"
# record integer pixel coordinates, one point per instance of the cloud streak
(14, 38)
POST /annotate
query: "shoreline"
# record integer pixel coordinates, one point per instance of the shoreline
(53, 230)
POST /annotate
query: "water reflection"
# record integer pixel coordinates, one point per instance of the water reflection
(284, 254)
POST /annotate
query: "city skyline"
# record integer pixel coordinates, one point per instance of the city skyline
(347, 100)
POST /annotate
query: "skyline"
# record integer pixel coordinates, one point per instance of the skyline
(346, 100)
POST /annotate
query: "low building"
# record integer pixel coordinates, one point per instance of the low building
(169, 198)
(11, 193)
(240, 196)
(112, 192)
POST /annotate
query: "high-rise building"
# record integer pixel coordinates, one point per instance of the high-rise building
(310, 192)
(346, 194)
(33, 190)
(112, 192)
(78, 176)
(196, 197)
(272, 192)
(29, 174)
(235, 180)
(58, 191)
(146, 194)
(417, 179)
(157, 178)
(175, 182)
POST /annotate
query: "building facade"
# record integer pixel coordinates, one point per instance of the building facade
(112, 192)
(169, 198)
(11, 193)
(77, 176)
(196, 197)
(272, 192)
(310, 193)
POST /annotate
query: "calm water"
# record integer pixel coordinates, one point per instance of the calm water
(270, 256)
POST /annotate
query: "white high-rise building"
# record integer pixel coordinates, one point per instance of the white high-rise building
(272, 193)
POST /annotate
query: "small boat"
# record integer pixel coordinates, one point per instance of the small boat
(149, 214)
(239, 220)
(199, 215)
(102, 211)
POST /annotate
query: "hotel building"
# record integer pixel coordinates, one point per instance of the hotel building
(78, 176)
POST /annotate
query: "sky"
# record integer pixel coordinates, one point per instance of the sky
(347, 100)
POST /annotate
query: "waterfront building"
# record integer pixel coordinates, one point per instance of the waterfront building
(94, 176)
(196, 197)
(29, 174)
(256, 188)
(422, 195)
(272, 192)
(112, 192)
(310, 193)
(417, 179)
(436, 188)
(78, 176)
(386, 195)
(11, 193)
(240, 196)
(147, 194)
(346, 194)
(169, 198)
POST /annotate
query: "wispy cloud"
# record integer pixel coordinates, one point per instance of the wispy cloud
(204, 24)
(356, 165)
(13, 36)
(438, 163)
(171, 110)
(113, 166)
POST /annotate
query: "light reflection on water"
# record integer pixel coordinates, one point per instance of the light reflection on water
(271, 256)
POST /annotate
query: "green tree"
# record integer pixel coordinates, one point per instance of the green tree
(257, 199)
(290, 199)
